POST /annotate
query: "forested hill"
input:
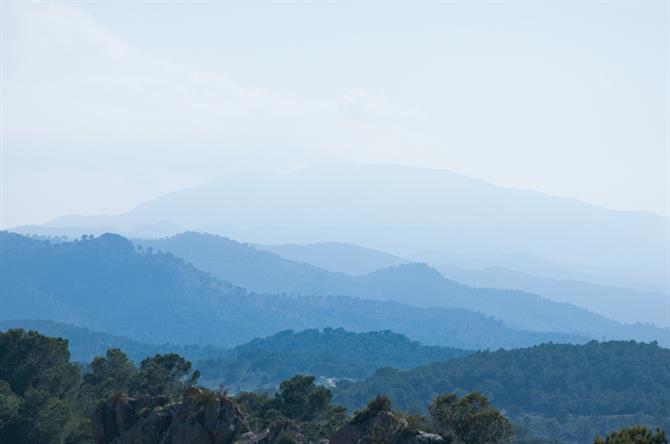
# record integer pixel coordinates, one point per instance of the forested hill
(414, 284)
(331, 353)
(617, 377)
(598, 378)
(107, 285)
(255, 269)
(84, 344)
(263, 362)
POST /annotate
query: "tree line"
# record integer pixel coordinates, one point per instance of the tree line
(45, 398)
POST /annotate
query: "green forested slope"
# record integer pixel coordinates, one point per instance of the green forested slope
(566, 392)
(106, 284)
(331, 353)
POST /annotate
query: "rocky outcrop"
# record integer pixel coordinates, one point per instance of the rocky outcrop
(202, 418)
(205, 417)
(281, 431)
(384, 427)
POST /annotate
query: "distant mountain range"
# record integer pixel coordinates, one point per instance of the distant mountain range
(617, 303)
(412, 212)
(336, 256)
(414, 284)
(621, 304)
(106, 284)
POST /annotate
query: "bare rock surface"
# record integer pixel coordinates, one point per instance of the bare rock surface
(202, 418)
(385, 427)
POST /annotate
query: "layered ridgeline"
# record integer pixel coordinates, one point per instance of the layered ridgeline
(622, 304)
(107, 285)
(407, 210)
(414, 284)
(563, 392)
(546, 279)
(336, 256)
(331, 354)
(84, 344)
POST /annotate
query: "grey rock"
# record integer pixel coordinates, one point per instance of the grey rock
(202, 418)
(385, 427)
(278, 429)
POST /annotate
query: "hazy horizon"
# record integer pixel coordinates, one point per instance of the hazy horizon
(104, 112)
(204, 182)
(344, 222)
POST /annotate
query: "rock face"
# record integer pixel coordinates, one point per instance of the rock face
(205, 417)
(384, 427)
(279, 430)
(202, 418)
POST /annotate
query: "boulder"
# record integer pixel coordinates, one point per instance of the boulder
(203, 417)
(384, 427)
(281, 429)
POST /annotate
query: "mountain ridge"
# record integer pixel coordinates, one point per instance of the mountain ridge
(412, 283)
(404, 210)
(107, 284)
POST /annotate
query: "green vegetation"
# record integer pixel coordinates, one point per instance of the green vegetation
(38, 389)
(565, 392)
(264, 362)
(596, 378)
(332, 353)
(634, 435)
(471, 419)
(43, 399)
(299, 400)
(86, 344)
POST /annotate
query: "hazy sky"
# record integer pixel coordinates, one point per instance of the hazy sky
(107, 104)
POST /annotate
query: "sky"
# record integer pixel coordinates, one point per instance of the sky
(108, 104)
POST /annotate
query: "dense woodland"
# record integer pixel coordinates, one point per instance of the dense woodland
(263, 362)
(608, 378)
(45, 398)
(577, 387)
(332, 353)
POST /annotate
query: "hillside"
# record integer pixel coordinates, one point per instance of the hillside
(407, 210)
(626, 305)
(622, 304)
(84, 344)
(106, 284)
(263, 362)
(46, 398)
(336, 256)
(331, 353)
(546, 386)
(256, 270)
(414, 284)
